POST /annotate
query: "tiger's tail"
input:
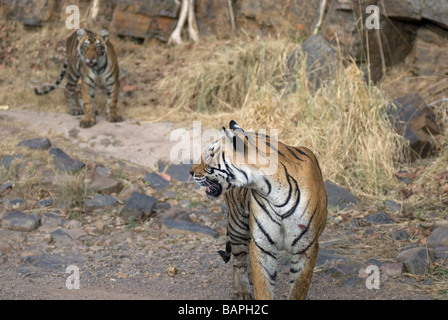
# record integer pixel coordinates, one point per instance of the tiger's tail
(58, 81)
(225, 255)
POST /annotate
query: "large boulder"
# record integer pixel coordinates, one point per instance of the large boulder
(272, 16)
(431, 55)
(345, 27)
(416, 122)
(29, 12)
(435, 11)
(142, 19)
(321, 60)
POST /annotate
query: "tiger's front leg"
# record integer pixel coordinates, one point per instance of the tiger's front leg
(88, 87)
(264, 271)
(70, 94)
(242, 288)
(112, 99)
(238, 237)
(263, 259)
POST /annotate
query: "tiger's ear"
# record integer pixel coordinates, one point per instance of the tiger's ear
(104, 35)
(81, 33)
(237, 142)
(234, 126)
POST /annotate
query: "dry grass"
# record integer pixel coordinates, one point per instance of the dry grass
(343, 122)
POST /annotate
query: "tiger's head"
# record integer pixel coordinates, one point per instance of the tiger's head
(92, 48)
(229, 161)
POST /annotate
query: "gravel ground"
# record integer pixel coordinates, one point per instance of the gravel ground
(120, 260)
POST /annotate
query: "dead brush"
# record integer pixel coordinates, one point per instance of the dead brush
(224, 78)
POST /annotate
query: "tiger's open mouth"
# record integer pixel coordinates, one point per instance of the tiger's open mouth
(212, 188)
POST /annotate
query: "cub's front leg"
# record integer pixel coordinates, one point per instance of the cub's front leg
(87, 90)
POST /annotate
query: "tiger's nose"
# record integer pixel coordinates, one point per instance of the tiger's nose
(191, 172)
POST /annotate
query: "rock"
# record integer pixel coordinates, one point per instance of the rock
(106, 185)
(59, 236)
(15, 204)
(155, 181)
(20, 221)
(416, 260)
(180, 172)
(171, 271)
(441, 253)
(6, 188)
(75, 233)
(321, 60)
(401, 235)
(52, 219)
(374, 262)
(30, 12)
(392, 269)
(100, 202)
(416, 10)
(294, 16)
(351, 281)
(342, 270)
(55, 262)
(438, 238)
(430, 56)
(326, 255)
(8, 160)
(416, 122)
(142, 19)
(36, 144)
(138, 205)
(338, 197)
(406, 254)
(169, 194)
(379, 218)
(392, 206)
(64, 163)
(45, 202)
(179, 226)
(345, 28)
(103, 171)
(74, 224)
(9, 240)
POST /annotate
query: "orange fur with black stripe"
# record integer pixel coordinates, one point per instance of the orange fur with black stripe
(269, 210)
(89, 56)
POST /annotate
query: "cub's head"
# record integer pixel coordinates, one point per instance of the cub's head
(229, 161)
(92, 47)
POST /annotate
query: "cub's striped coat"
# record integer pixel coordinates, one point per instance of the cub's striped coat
(283, 210)
(89, 56)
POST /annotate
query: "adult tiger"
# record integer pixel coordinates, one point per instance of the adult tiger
(89, 56)
(286, 209)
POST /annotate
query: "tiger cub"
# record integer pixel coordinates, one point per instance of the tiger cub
(89, 56)
(285, 208)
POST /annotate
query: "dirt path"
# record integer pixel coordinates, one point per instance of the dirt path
(134, 263)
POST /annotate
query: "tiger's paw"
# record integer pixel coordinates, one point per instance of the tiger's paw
(86, 123)
(114, 118)
(242, 296)
(76, 112)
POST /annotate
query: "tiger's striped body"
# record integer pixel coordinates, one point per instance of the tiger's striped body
(267, 213)
(89, 56)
